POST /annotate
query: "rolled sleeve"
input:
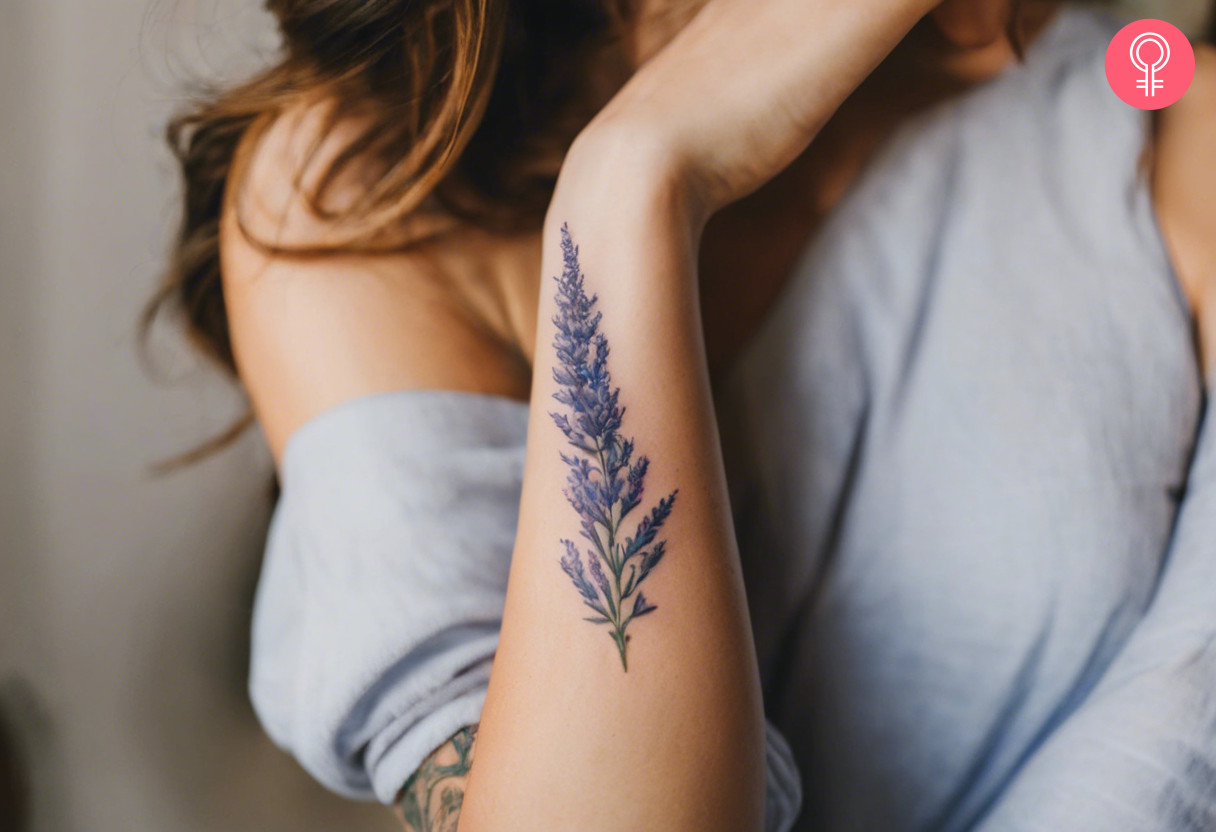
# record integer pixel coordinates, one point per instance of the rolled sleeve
(382, 590)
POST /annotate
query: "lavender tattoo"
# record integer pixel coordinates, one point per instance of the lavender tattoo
(604, 483)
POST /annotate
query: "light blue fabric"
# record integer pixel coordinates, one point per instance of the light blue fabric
(977, 520)
(960, 446)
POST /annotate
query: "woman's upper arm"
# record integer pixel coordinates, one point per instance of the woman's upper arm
(310, 332)
(1184, 182)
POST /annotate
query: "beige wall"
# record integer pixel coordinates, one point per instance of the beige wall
(124, 599)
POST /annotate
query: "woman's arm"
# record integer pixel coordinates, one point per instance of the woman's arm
(627, 636)
(624, 693)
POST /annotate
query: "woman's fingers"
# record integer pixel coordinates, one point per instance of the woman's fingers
(745, 86)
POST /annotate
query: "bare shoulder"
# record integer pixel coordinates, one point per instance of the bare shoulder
(311, 331)
(1184, 182)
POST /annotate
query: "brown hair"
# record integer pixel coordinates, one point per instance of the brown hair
(466, 105)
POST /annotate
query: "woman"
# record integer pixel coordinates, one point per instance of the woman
(955, 358)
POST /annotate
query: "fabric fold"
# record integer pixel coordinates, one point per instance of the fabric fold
(381, 598)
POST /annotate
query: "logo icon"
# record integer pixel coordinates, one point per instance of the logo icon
(1150, 83)
(1150, 64)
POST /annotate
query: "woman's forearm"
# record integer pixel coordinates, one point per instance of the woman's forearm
(603, 713)
(624, 693)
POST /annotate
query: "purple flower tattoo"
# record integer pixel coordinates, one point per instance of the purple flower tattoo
(604, 483)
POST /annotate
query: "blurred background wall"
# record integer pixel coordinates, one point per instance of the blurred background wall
(125, 597)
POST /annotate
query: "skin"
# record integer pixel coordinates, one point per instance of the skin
(708, 199)
(1183, 183)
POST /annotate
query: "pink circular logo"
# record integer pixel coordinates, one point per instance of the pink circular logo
(1150, 64)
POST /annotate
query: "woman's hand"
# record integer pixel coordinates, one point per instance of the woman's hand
(741, 91)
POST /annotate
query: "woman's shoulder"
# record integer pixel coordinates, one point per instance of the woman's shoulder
(313, 328)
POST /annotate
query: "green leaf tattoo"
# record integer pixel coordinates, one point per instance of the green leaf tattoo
(432, 797)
